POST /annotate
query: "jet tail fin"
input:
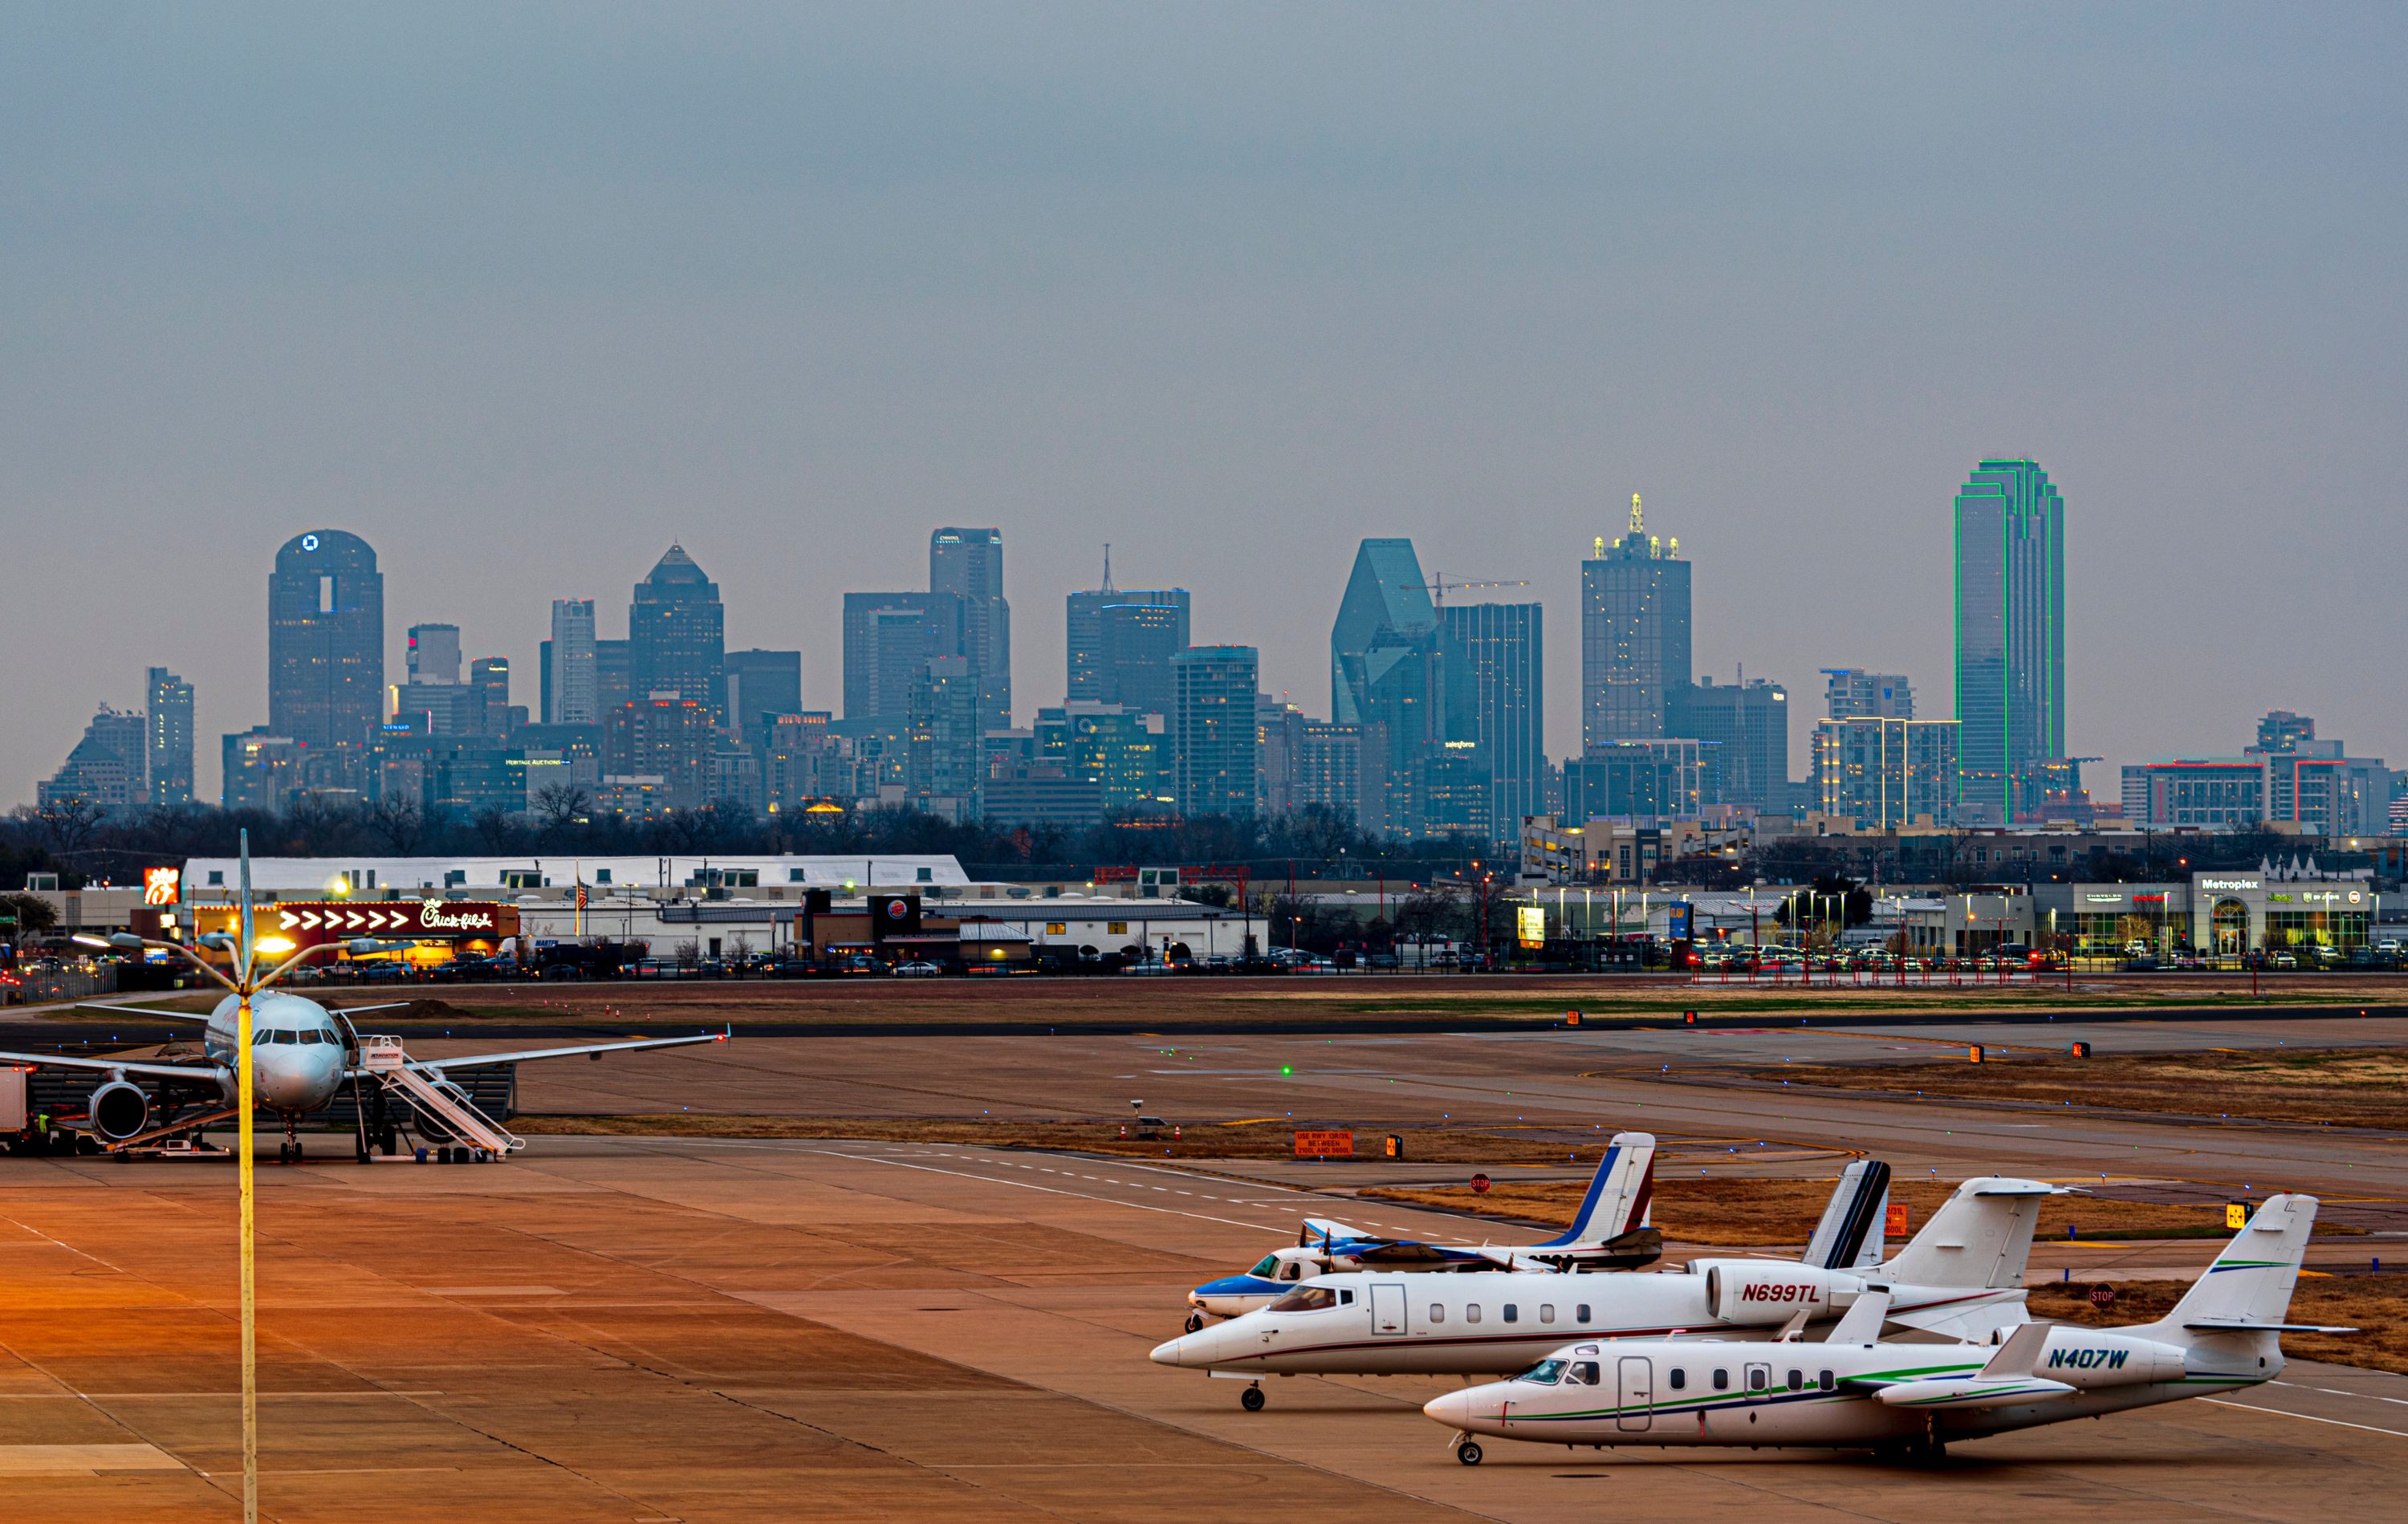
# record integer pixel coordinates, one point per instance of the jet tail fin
(2248, 1287)
(1981, 1237)
(1617, 1197)
(1852, 1220)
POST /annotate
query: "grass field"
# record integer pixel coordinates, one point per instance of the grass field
(2356, 1087)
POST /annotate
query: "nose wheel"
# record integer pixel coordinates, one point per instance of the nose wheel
(288, 1151)
(1195, 1323)
(1251, 1399)
(1467, 1452)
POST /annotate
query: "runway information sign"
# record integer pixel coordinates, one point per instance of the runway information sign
(1323, 1144)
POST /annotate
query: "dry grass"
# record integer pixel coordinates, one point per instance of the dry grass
(1222, 1140)
(2350, 1087)
(2377, 1306)
(1762, 1213)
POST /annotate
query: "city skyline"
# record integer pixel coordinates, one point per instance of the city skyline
(1228, 322)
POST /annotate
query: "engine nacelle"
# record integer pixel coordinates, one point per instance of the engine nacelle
(2083, 1358)
(426, 1122)
(119, 1109)
(1752, 1292)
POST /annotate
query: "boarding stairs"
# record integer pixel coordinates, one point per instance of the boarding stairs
(433, 1097)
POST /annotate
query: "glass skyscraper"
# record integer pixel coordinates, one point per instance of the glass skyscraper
(1387, 673)
(969, 564)
(1083, 633)
(325, 640)
(1634, 635)
(2009, 636)
(1214, 741)
(677, 636)
(1495, 665)
(169, 713)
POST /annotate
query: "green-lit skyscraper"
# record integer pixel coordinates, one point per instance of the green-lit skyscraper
(2009, 636)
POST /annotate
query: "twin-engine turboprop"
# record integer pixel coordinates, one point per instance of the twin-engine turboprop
(1610, 1232)
(1852, 1391)
(302, 1054)
(1960, 1277)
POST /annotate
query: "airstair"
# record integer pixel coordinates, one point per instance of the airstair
(440, 1105)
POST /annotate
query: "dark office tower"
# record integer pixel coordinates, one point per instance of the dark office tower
(889, 639)
(1214, 740)
(1135, 643)
(1387, 672)
(969, 564)
(569, 697)
(1746, 726)
(171, 738)
(1495, 685)
(941, 771)
(762, 683)
(490, 676)
(1634, 634)
(325, 640)
(433, 654)
(614, 676)
(2010, 638)
(677, 636)
(1083, 631)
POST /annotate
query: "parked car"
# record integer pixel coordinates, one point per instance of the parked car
(918, 968)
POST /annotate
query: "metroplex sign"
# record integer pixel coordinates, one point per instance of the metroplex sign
(451, 919)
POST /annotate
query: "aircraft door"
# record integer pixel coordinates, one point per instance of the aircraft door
(1388, 1308)
(1635, 1401)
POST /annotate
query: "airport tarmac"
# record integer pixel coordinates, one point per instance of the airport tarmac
(726, 1329)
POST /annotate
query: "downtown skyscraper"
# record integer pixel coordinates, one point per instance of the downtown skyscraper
(1634, 635)
(677, 636)
(168, 713)
(325, 640)
(969, 564)
(2010, 574)
(1495, 664)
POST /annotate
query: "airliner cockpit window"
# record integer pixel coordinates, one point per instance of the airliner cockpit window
(1545, 1374)
(1306, 1299)
(1267, 1269)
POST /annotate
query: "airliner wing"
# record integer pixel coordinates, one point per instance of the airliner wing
(198, 1073)
(141, 1010)
(1325, 1229)
(527, 1055)
(355, 1010)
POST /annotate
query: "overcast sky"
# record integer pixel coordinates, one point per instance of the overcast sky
(522, 294)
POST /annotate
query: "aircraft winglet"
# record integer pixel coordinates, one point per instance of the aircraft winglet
(1862, 1322)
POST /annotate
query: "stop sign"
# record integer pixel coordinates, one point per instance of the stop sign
(1480, 1184)
(2103, 1296)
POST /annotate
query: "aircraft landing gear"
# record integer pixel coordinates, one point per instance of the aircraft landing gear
(290, 1152)
(1251, 1399)
(1469, 1452)
(1195, 1323)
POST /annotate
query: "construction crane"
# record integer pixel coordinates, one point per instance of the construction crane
(1437, 587)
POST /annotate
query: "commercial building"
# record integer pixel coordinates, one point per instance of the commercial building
(1496, 685)
(570, 691)
(2010, 576)
(666, 737)
(1645, 779)
(761, 684)
(1135, 645)
(1634, 635)
(947, 717)
(168, 739)
(1746, 725)
(968, 565)
(106, 769)
(259, 770)
(325, 640)
(2206, 792)
(889, 638)
(1083, 637)
(1883, 774)
(2289, 777)
(1213, 724)
(1852, 692)
(677, 636)
(1127, 754)
(2291, 906)
(1387, 672)
(1036, 795)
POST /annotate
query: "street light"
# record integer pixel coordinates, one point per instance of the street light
(247, 982)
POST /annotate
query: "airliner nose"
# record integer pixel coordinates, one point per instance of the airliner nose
(1171, 1353)
(1454, 1409)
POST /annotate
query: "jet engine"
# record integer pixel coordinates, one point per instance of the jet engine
(1755, 1291)
(428, 1123)
(119, 1109)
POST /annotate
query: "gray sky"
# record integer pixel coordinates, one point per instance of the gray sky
(521, 297)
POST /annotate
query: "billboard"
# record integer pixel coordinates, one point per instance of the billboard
(309, 924)
(1683, 920)
(1530, 925)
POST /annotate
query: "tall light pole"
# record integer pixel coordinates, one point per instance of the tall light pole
(246, 981)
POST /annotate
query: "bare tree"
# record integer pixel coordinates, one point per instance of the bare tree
(67, 825)
(688, 952)
(396, 821)
(562, 805)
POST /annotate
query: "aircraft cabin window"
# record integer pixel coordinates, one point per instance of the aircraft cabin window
(1513, 1313)
(1824, 1381)
(1346, 1299)
(1306, 1299)
(1471, 1313)
(1722, 1381)
(1680, 1379)
(1585, 1372)
(1545, 1374)
(1581, 1311)
(1546, 1312)
(1437, 1312)
(1292, 1272)
(1797, 1381)
(1758, 1377)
